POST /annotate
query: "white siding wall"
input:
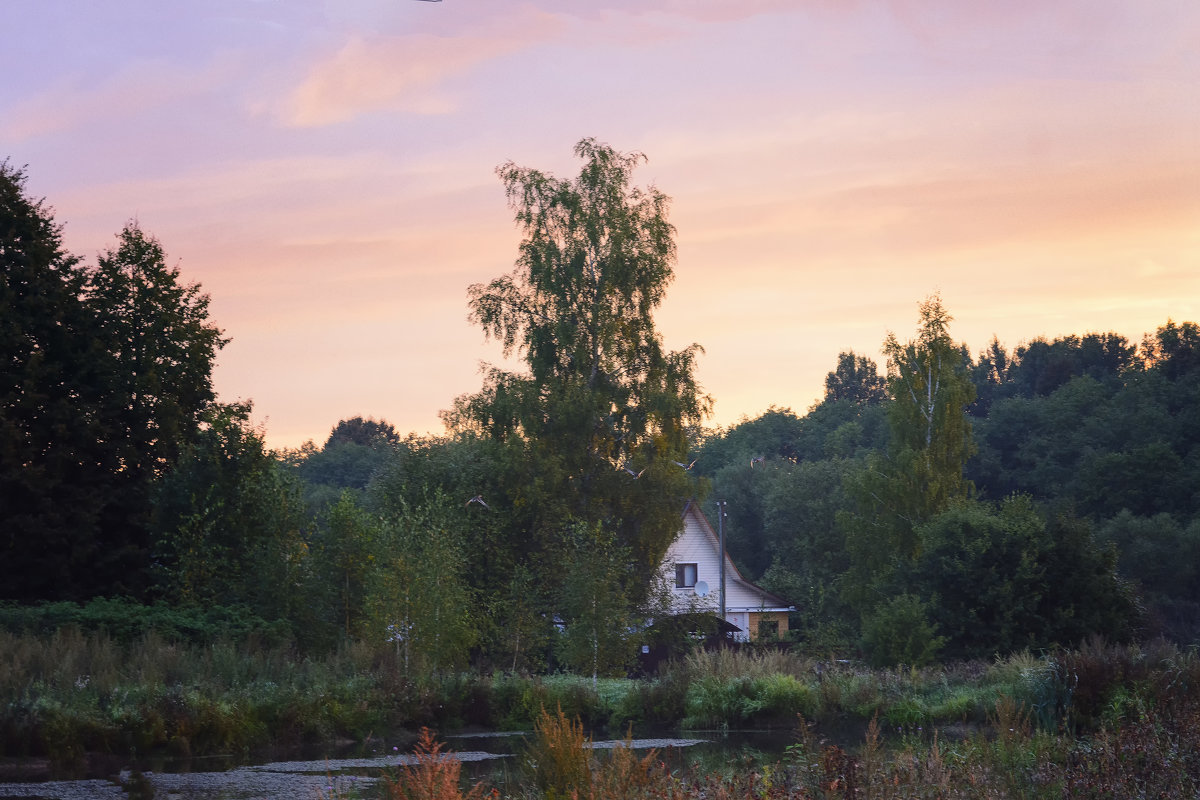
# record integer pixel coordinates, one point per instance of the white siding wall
(692, 547)
(698, 544)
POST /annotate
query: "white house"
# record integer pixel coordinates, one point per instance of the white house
(692, 569)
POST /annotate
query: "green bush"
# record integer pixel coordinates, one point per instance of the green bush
(782, 697)
(899, 632)
(127, 621)
(717, 702)
(660, 702)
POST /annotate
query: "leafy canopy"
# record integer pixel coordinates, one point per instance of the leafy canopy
(603, 409)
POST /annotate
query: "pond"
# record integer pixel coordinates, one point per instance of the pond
(341, 770)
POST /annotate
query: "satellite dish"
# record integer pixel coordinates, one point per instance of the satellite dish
(701, 588)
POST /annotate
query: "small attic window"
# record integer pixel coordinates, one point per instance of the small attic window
(685, 576)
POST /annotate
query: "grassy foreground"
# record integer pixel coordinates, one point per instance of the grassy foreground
(1022, 726)
(1154, 755)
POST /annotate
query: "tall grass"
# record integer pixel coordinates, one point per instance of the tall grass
(68, 692)
(728, 663)
(1156, 756)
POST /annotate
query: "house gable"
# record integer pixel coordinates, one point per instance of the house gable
(698, 544)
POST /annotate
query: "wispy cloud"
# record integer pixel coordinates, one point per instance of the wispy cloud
(404, 73)
(75, 100)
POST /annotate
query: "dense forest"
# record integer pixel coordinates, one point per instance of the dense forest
(954, 504)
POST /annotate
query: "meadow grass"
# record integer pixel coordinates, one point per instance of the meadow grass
(1089, 717)
(1155, 755)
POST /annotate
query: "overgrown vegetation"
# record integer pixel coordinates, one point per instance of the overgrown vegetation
(939, 522)
(68, 692)
(1145, 749)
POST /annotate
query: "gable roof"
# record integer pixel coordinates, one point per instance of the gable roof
(698, 543)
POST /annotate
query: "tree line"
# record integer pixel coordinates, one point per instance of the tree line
(1057, 501)
(951, 506)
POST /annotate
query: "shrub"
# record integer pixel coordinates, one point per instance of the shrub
(899, 632)
(783, 697)
(714, 702)
(435, 776)
(661, 702)
(557, 759)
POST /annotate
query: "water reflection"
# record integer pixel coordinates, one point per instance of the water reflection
(493, 758)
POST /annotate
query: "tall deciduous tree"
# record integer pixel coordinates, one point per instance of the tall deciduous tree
(597, 420)
(922, 473)
(931, 389)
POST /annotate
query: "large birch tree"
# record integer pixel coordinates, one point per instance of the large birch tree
(597, 420)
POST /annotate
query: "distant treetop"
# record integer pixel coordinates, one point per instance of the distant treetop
(366, 432)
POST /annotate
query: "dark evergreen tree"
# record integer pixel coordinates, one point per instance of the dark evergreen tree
(158, 332)
(365, 432)
(856, 378)
(58, 466)
(162, 347)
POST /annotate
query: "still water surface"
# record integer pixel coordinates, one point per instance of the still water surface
(331, 771)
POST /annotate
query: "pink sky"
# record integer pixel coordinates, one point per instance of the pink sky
(326, 171)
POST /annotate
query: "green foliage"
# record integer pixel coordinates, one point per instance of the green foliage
(782, 511)
(922, 472)
(1161, 558)
(126, 621)
(898, 631)
(734, 688)
(357, 452)
(164, 347)
(988, 573)
(344, 551)
(661, 701)
(713, 702)
(522, 628)
(591, 430)
(229, 522)
(64, 530)
(108, 375)
(345, 464)
(930, 391)
(364, 432)
(416, 598)
(70, 691)
(1002, 579)
(595, 604)
(1112, 433)
(855, 379)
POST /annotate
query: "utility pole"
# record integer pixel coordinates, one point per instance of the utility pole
(721, 536)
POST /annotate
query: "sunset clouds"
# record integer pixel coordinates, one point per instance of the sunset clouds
(326, 171)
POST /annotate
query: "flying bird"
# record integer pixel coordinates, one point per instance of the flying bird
(635, 475)
(685, 466)
(477, 498)
(756, 460)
